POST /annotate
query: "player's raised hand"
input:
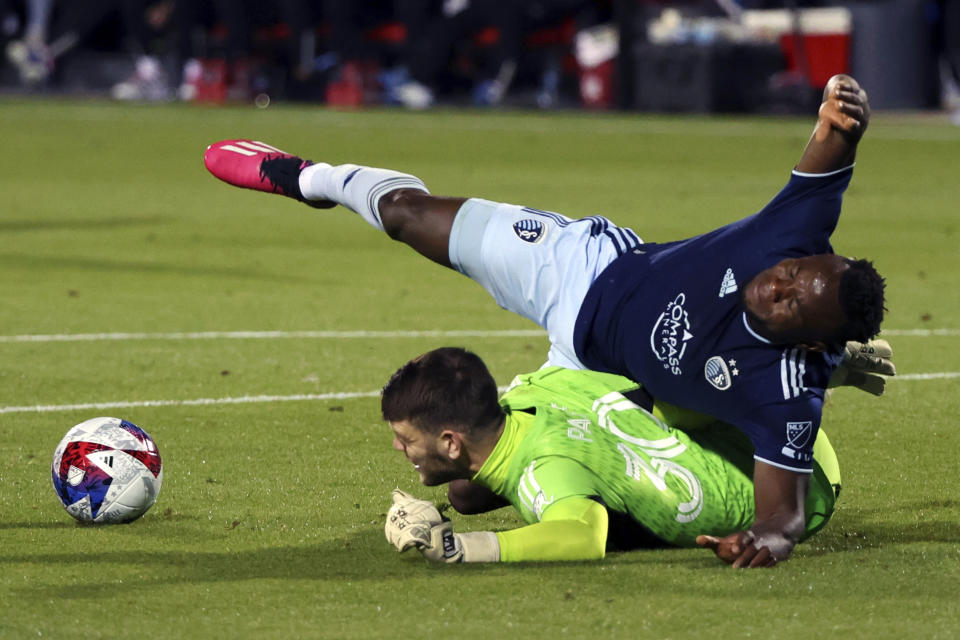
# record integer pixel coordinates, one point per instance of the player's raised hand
(409, 521)
(845, 106)
(864, 365)
(842, 121)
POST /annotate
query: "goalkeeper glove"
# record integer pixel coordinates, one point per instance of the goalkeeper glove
(447, 546)
(409, 521)
(417, 523)
(863, 366)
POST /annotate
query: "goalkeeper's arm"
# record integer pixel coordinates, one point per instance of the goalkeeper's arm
(572, 529)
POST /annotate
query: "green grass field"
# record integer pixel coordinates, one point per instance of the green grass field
(270, 522)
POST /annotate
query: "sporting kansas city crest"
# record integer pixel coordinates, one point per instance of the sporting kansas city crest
(717, 373)
(532, 231)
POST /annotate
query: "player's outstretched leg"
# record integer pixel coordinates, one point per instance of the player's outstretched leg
(396, 203)
(500, 246)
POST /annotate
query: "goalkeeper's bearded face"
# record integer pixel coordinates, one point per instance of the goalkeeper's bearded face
(429, 454)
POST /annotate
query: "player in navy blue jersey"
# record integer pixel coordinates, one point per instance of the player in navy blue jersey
(746, 323)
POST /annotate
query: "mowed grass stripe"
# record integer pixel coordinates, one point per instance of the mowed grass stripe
(883, 126)
(274, 335)
(333, 395)
(347, 335)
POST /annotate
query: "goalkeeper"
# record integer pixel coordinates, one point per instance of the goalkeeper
(587, 466)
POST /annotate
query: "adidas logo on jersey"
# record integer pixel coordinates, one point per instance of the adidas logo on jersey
(729, 284)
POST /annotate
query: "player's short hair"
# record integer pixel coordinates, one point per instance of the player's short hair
(443, 389)
(861, 299)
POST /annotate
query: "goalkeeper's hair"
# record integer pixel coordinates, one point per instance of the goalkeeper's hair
(861, 299)
(442, 389)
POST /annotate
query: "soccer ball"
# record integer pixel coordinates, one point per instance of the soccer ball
(107, 470)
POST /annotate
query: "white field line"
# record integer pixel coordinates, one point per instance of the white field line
(941, 375)
(923, 333)
(336, 395)
(339, 395)
(344, 395)
(274, 335)
(343, 335)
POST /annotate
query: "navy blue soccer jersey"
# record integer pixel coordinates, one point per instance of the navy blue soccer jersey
(671, 316)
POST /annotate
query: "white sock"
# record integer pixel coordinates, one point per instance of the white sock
(355, 187)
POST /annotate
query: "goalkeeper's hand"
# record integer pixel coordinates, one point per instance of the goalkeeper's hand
(444, 545)
(417, 523)
(863, 366)
(409, 521)
(473, 546)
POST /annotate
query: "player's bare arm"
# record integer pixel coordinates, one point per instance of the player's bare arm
(843, 119)
(779, 497)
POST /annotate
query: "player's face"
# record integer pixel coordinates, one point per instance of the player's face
(797, 300)
(425, 453)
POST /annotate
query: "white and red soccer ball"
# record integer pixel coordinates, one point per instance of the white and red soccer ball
(107, 470)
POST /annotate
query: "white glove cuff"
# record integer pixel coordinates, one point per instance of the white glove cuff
(480, 546)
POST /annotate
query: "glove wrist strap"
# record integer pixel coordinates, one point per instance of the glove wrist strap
(480, 546)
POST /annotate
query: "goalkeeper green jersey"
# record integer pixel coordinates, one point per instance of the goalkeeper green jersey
(572, 439)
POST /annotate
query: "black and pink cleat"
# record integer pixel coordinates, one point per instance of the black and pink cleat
(256, 165)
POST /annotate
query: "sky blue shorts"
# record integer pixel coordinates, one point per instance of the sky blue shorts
(535, 263)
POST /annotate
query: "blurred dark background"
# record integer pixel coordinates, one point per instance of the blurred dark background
(681, 56)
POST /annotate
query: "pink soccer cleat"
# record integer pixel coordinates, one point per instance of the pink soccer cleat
(256, 165)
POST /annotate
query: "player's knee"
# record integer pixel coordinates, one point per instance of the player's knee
(398, 209)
